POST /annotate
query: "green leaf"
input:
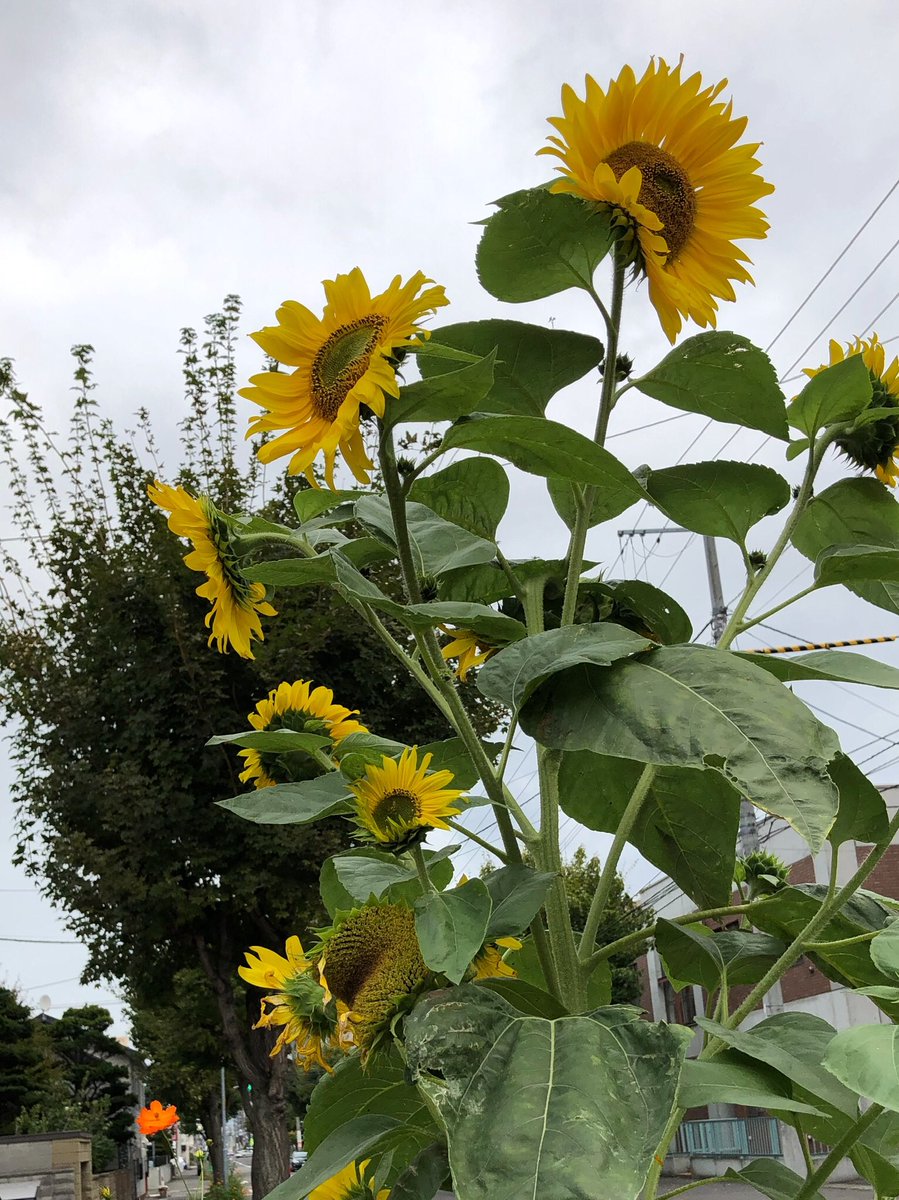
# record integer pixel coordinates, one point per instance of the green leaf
(292, 803)
(533, 362)
(862, 816)
(437, 545)
(490, 1071)
(483, 584)
(696, 955)
(272, 741)
(292, 572)
(718, 499)
(879, 992)
(663, 617)
(885, 949)
(473, 493)
(517, 893)
(354, 876)
(445, 396)
(853, 512)
(837, 393)
(692, 706)
(453, 756)
(723, 376)
(732, 1081)
(848, 564)
(772, 1178)
(539, 244)
(865, 1059)
(495, 627)
(543, 447)
(513, 674)
(358, 1138)
(422, 1179)
(841, 666)
(687, 826)
(524, 997)
(451, 927)
(311, 502)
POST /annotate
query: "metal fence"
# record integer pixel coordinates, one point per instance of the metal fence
(729, 1137)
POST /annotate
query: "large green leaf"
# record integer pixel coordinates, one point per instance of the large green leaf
(718, 499)
(662, 616)
(517, 893)
(837, 393)
(473, 493)
(730, 1080)
(524, 997)
(866, 1059)
(862, 816)
(853, 512)
(538, 244)
(493, 626)
(352, 877)
(772, 1178)
(422, 1179)
(849, 564)
(532, 362)
(358, 1138)
(272, 741)
(445, 396)
(885, 949)
(687, 825)
(512, 675)
(723, 376)
(696, 955)
(841, 666)
(437, 545)
(311, 502)
(593, 1098)
(697, 706)
(292, 803)
(292, 572)
(452, 927)
(543, 447)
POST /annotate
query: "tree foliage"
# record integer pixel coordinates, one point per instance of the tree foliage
(22, 1075)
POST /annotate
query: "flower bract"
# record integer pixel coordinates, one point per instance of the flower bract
(301, 707)
(343, 361)
(236, 604)
(155, 1118)
(874, 446)
(398, 801)
(468, 648)
(348, 1184)
(663, 153)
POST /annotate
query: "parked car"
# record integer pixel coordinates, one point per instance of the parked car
(297, 1159)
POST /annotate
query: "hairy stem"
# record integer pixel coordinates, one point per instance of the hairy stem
(804, 1146)
(422, 868)
(839, 1151)
(548, 855)
(478, 840)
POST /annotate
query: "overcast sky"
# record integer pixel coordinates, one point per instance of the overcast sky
(159, 155)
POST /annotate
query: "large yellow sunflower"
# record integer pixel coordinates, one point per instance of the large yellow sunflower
(398, 801)
(349, 1184)
(236, 604)
(874, 446)
(663, 151)
(300, 707)
(297, 1002)
(470, 649)
(343, 360)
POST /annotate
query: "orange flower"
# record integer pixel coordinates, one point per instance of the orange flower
(156, 1118)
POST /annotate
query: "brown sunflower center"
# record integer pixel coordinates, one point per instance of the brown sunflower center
(400, 807)
(374, 958)
(666, 189)
(341, 362)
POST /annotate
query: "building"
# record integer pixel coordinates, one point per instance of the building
(722, 1135)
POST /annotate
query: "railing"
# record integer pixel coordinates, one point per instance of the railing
(729, 1137)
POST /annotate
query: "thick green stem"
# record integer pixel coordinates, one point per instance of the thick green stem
(840, 1149)
(840, 942)
(548, 855)
(658, 1159)
(804, 1146)
(610, 869)
(422, 867)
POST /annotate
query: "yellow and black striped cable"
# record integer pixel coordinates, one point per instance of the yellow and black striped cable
(822, 645)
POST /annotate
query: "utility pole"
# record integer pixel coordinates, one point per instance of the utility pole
(719, 608)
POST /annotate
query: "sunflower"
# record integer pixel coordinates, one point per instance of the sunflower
(662, 152)
(343, 360)
(398, 801)
(349, 1184)
(470, 649)
(297, 1004)
(490, 964)
(300, 707)
(874, 446)
(236, 604)
(156, 1118)
(371, 963)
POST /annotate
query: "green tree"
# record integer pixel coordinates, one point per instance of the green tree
(114, 691)
(22, 1078)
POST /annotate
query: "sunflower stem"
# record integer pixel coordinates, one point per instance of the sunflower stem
(642, 935)
(422, 867)
(840, 1149)
(548, 856)
(474, 837)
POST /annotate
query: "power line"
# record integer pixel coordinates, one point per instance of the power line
(41, 941)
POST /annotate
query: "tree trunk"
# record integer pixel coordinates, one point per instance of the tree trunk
(266, 1111)
(215, 1135)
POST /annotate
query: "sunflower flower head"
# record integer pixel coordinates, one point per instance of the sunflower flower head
(296, 1003)
(351, 1183)
(398, 800)
(305, 709)
(490, 963)
(469, 648)
(236, 604)
(874, 446)
(155, 1118)
(662, 153)
(371, 963)
(344, 365)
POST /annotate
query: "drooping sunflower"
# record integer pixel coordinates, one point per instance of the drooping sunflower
(875, 446)
(297, 1002)
(469, 648)
(236, 604)
(300, 707)
(398, 801)
(372, 964)
(155, 1118)
(663, 152)
(490, 964)
(344, 360)
(349, 1184)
